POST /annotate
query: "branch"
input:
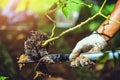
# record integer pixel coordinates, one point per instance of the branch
(70, 29)
(53, 29)
(78, 26)
(106, 17)
(100, 11)
(82, 3)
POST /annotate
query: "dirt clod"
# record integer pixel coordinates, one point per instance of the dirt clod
(23, 58)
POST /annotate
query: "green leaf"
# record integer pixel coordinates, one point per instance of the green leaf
(65, 11)
(3, 78)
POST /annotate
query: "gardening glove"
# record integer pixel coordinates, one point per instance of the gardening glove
(82, 61)
(93, 43)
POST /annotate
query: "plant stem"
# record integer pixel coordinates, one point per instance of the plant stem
(53, 29)
(82, 3)
(102, 6)
(106, 17)
(70, 29)
(78, 26)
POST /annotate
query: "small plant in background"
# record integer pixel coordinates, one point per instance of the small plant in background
(3, 78)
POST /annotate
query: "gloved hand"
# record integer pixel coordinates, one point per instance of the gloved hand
(93, 43)
(82, 61)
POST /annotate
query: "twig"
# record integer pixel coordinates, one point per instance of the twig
(70, 29)
(100, 11)
(88, 5)
(109, 18)
(81, 24)
(106, 17)
(53, 29)
(78, 26)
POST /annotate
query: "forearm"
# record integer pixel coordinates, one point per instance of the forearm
(111, 26)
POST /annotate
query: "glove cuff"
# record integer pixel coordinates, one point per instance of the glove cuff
(100, 38)
(104, 36)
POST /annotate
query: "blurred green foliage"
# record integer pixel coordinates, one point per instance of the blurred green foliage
(6, 63)
(3, 78)
(97, 21)
(70, 5)
(85, 73)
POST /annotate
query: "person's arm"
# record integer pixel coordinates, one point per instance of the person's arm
(111, 26)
